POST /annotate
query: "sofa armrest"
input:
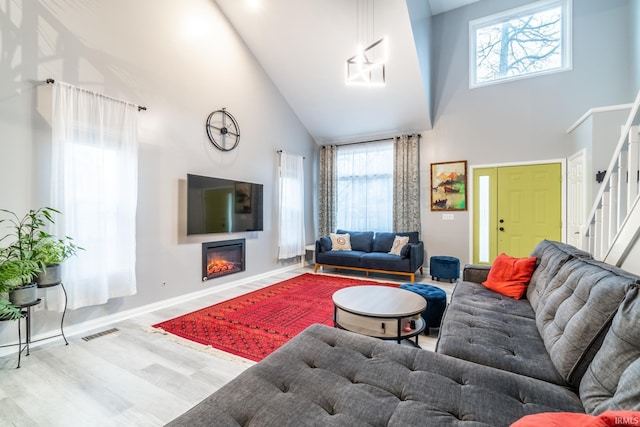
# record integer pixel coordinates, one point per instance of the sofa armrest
(416, 255)
(476, 273)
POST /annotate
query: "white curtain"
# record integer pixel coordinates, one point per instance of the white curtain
(291, 206)
(94, 183)
(364, 187)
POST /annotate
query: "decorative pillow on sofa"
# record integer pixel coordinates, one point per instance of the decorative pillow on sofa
(325, 244)
(340, 242)
(573, 419)
(398, 244)
(510, 276)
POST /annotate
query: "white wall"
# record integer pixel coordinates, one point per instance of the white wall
(524, 120)
(180, 59)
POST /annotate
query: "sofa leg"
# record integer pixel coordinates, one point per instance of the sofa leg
(316, 267)
(421, 272)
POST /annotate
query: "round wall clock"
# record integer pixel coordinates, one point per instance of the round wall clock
(223, 130)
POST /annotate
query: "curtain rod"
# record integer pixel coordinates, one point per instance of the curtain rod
(282, 151)
(140, 107)
(373, 140)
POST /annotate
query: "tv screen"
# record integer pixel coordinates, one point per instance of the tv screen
(216, 205)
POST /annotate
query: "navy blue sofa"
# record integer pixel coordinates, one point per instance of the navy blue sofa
(370, 253)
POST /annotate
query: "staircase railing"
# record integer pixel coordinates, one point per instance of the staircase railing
(613, 223)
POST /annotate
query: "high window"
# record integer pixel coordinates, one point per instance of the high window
(364, 187)
(523, 42)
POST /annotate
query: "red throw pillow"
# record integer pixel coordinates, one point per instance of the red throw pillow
(510, 276)
(570, 419)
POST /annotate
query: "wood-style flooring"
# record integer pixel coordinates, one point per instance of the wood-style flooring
(135, 376)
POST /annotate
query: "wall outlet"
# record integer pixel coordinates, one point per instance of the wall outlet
(447, 217)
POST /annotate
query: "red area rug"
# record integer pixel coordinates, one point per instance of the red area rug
(256, 324)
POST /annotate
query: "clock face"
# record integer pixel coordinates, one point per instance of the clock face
(223, 130)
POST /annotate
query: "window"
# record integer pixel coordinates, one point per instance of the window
(94, 182)
(364, 187)
(291, 206)
(523, 42)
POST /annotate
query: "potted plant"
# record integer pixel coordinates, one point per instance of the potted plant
(21, 266)
(50, 252)
(28, 251)
(13, 273)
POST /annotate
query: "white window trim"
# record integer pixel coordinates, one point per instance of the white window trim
(567, 48)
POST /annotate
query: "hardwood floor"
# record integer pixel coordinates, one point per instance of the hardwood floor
(135, 376)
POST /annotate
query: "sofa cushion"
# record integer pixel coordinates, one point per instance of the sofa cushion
(510, 276)
(383, 242)
(551, 256)
(360, 240)
(501, 340)
(325, 244)
(340, 258)
(385, 261)
(475, 295)
(576, 309)
(326, 376)
(612, 380)
(340, 242)
(406, 251)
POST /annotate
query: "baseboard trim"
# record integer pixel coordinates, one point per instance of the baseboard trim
(101, 322)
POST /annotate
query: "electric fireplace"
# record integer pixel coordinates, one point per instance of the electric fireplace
(222, 258)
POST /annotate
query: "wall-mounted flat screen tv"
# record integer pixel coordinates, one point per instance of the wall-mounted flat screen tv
(216, 205)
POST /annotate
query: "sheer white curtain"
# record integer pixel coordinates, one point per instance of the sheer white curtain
(364, 187)
(291, 206)
(94, 183)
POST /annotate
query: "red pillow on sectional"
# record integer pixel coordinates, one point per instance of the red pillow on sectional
(510, 276)
(570, 419)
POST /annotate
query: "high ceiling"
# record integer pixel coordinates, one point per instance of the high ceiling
(303, 47)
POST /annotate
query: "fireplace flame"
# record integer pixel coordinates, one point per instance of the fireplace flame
(218, 266)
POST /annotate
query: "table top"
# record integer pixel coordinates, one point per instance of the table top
(379, 301)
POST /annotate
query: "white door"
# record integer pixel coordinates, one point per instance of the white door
(576, 198)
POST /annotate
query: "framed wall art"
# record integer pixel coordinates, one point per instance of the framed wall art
(449, 186)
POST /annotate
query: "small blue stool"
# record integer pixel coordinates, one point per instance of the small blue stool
(444, 267)
(436, 302)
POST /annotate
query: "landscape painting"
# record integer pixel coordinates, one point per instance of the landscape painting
(449, 186)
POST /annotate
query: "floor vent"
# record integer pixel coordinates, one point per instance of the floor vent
(100, 334)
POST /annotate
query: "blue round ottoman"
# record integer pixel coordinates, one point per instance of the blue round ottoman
(444, 267)
(436, 302)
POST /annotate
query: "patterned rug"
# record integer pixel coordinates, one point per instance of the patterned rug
(256, 324)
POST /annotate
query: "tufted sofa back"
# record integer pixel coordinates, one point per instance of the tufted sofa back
(612, 381)
(575, 309)
(551, 256)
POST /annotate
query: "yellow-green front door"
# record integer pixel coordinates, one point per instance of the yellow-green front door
(515, 207)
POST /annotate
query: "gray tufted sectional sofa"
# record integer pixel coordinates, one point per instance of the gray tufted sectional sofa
(573, 345)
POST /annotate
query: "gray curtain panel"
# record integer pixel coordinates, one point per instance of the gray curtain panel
(327, 189)
(406, 183)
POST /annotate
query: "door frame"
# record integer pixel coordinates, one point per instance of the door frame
(563, 190)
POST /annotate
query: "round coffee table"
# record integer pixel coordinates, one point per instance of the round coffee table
(379, 311)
